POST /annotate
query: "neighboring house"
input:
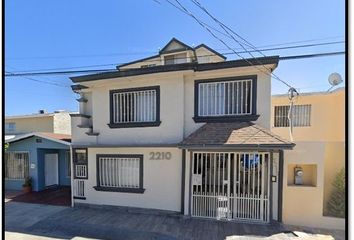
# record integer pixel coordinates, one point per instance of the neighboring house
(39, 147)
(57, 122)
(43, 156)
(183, 131)
(319, 134)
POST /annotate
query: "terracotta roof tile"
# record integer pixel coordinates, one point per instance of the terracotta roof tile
(234, 133)
(63, 137)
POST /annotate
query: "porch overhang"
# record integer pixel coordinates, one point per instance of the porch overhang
(240, 147)
(234, 136)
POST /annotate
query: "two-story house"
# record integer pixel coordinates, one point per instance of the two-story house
(56, 122)
(319, 135)
(39, 148)
(184, 131)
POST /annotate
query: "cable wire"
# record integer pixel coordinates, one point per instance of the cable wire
(227, 29)
(186, 11)
(41, 81)
(291, 57)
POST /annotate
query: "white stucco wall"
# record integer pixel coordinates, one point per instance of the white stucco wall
(176, 106)
(162, 181)
(171, 112)
(206, 56)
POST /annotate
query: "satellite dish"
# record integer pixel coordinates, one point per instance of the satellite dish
(334, 79)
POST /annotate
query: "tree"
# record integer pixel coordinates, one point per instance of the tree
(336, 203)
(6, 146)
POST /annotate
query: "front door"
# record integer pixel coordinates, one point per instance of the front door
(51, 169)
(231, 185)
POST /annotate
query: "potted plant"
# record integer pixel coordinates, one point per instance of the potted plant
(27, 186)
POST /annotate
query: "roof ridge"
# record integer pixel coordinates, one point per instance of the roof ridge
(270, 133)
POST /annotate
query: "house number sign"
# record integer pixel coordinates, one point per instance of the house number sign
(160, 155)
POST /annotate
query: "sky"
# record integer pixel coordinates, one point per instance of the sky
(54, 34)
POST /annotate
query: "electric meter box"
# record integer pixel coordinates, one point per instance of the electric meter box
(298, 174)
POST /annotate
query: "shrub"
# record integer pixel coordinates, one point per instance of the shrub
(336, 202)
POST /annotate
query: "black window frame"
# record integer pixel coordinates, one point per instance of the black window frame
(251, 117)
(155, 123)
(120, 189)
(76, 162)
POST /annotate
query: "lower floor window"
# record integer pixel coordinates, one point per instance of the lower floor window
(120, 171)
(16, 165)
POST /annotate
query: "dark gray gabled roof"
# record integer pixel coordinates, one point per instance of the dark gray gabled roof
(234, 134)
(186, 47)
(210, 49)
(136, 61)
(163, 51)
(178, 67)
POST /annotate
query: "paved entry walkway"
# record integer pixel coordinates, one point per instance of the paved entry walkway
(54, 196)
(37, 220)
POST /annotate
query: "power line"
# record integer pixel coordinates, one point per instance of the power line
(207, 55)
(227, 29)
(223, 42)
(154, 52)
(291, 57)
(311, 55)
(66, 68)
(40, 81)
(302, 41)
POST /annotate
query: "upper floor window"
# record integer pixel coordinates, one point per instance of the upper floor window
(135, 107)
(10, 127)
(301, 116)
(229, 98)
(176, 59)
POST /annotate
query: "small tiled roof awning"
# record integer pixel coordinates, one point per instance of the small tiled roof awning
(56, 137)
(243, 135)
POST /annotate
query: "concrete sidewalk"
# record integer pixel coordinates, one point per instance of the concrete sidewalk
(28, 221)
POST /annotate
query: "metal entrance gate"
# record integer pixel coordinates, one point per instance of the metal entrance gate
(232, 185)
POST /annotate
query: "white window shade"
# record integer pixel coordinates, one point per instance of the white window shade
(229, 98)
(16, 165)
(137, 106)
(119, 172)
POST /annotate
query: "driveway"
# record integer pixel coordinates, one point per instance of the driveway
(59, 222)
(53, 196)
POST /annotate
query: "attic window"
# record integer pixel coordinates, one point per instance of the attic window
(148, 65)
(176, 59)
